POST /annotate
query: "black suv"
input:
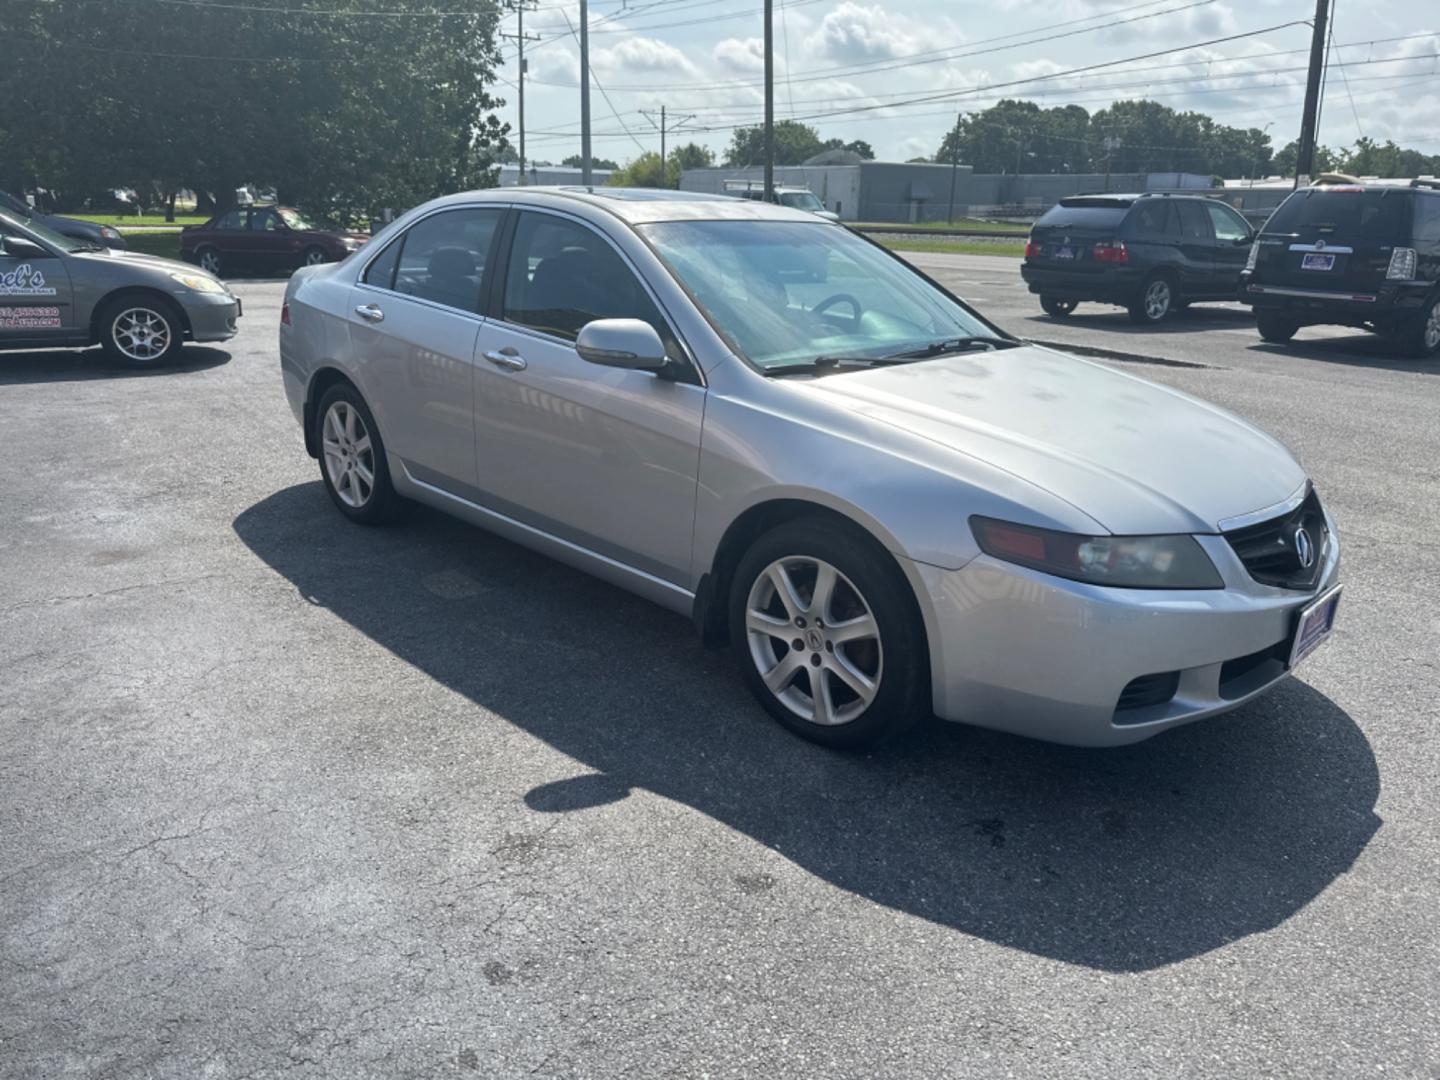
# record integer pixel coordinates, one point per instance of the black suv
(1351, 254)
(1152, 253)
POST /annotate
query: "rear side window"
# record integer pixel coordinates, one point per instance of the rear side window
(1427, 220)
(1107, 216)
(442, 258)
(1155, 217)
(1380, 216)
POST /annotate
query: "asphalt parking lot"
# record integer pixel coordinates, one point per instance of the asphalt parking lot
(279, 795)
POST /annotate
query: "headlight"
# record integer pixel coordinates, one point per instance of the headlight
(1123, 562)
(198, 282)
(109, 233)
(351, 244)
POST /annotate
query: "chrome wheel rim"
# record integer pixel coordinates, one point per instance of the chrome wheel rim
(141, 333)
(349, 455)
(315, 258)
(814, 640)
(210, 262)
(1432, 328)
(1157, 299)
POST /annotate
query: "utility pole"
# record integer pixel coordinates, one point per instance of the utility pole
(520, 37)
(1112, 143)
(585, 93)
(769, 104)
(664, 178)
(954, 168)
(1305, 158)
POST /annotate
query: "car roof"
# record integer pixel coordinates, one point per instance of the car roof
(639, 206)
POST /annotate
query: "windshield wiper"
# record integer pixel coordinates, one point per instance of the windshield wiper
(954, 345)
(88, 245)
(825, 365)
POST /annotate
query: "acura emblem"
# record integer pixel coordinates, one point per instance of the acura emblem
(1304, 549)
(1319, 245)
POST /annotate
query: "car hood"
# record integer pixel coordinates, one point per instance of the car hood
(1134, 456)
(138, 258)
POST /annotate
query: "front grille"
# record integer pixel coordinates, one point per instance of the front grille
(1149, 690)
(1270, 550)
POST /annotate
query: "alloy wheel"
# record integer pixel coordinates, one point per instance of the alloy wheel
(1432, 328)
(1157, 300)
(141, 334)
(349, 455)
(210, 262)
(315, 258)
(814, 640)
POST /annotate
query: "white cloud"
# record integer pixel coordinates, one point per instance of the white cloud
(740, 54)
(853, 34)
(643, 55)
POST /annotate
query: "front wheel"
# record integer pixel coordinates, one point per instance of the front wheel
(352, 458)
(1276, 329)
(141, 331)
(1057, 308)
(315, 257)
(1156, 302)
(210, 261)
(826, 632)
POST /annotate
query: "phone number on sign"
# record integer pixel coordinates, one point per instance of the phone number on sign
(29, 318)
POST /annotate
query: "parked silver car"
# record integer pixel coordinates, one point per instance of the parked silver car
(58, 291)
(762, 420)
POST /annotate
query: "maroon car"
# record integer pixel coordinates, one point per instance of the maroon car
(264, 238)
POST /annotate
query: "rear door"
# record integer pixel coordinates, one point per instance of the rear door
(1233, 237)
(1334, 239)
(270, 240)
(1066, 234)
(229, 234)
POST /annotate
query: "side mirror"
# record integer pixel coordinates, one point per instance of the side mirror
(21, 248)
(621, 343)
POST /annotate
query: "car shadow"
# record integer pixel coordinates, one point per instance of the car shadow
(79, 365)
(1198, 317)
(1352, 350)
(1120, 860)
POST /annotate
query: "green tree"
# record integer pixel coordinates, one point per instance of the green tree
(855, 146)
(1283, 163)
(1013, 136)
(692, 156)
(644, 171)
(794, 143)
(574, 162)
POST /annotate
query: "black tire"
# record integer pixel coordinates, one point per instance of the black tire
(868, 581)
(1058, 308)
(372, 503)
(1276, 329)
(141, 330)
(314, 256)
(1420, 337)
(1156, 300)
(210, 260)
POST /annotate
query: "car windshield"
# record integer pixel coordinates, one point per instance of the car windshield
(14, 205)
(53, 238)
(801, 200)
(784, 294)
(294, 219)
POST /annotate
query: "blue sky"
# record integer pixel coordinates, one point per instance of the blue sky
(848, 67)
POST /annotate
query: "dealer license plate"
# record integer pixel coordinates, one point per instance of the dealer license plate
(1318, 262)
(1313, 626)
(1064, 252)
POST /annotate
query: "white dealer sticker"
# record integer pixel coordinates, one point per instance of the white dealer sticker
(29, 318)
(24, 281)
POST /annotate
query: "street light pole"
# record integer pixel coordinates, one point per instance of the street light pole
(584, 93)
(1305, 158)
(769, 105)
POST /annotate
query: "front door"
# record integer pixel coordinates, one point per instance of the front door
(36, 306)
(270, 242)
(602, 457)
(1233, 237)
(414, 316)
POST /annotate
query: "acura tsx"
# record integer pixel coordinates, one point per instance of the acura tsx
(886, 505)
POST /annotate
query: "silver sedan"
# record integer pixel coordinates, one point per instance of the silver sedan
(886, 505)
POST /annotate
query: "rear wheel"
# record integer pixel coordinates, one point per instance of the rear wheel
(826, 632)
(1156, 301)
(315, 257)
(1421, 337)
(210, 261)
(141, 331)
(1276, 329)
(1058, 308)
(352, 458)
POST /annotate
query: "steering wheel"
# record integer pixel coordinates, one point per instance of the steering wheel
(839, 298)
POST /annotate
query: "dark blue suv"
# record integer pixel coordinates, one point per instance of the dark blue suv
(1152, 253)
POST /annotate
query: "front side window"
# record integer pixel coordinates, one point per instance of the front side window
(563, 275)
(786, 293)
(264, 221)
(1228, 225)
(294, 219)
(442, 257)
(801, 200)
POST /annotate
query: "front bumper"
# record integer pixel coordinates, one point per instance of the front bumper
(212, 316)
(1111, 284)
(1036, 655)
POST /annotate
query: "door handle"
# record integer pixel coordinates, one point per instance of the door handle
(370, 312)
(506, 358)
